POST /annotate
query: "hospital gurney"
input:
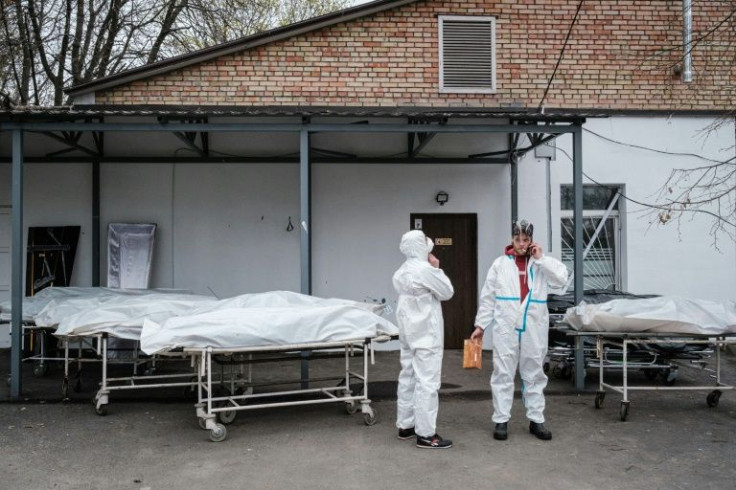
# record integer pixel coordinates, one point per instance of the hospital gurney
(242, 330)
(215, 411)
(624, 340)
(678, 329)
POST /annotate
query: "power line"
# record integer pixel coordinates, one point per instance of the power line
(559, 59)
(655, 150)
(652, 206)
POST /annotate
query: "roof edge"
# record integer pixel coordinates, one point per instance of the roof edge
(241, 44)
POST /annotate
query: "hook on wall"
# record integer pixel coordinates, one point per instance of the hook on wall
(290, 226)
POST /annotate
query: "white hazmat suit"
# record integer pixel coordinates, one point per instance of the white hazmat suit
(421, 288)
(520, 331)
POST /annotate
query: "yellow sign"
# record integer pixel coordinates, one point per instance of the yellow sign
(443, 241)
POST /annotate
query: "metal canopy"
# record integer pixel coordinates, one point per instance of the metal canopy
(66, 125)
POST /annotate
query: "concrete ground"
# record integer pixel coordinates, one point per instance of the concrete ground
(151, 439)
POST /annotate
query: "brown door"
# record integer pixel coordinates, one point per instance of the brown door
(456, 246)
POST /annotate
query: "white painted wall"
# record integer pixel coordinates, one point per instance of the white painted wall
(674, 259)
(222, 227)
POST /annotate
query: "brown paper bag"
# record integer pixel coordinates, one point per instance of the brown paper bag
(472, 354)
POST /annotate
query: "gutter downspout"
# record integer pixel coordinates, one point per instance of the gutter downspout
(687, 35)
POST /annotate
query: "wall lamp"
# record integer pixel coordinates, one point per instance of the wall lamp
(442, 197)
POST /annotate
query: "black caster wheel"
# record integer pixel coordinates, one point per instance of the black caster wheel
(101, 410)
(713, 397)
(351, 407)
(650, 374)
(370, 418)
(40, 369)
(227, 417)
(624, 411)
(670, 376)
(599, 397)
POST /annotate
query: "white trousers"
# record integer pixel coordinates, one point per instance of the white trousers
(512, 349)
(419, 383)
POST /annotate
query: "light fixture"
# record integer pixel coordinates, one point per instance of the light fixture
(442, 197)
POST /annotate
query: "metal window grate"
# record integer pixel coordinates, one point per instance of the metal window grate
(467, 54)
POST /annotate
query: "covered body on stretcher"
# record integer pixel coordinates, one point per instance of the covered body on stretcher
(277, 322)
(673, 328)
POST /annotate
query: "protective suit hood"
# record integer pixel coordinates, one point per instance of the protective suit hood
(415, 245)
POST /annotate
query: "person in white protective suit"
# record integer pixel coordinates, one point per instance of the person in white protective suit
(421, 285)
(513, 302)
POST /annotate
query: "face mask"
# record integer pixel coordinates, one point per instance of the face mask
(430, 244)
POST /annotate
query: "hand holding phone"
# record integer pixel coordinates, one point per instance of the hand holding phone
(434, 261)
(534, 250)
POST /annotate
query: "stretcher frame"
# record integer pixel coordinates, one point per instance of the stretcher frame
(624, 340)
(136, 382)
(215, 412)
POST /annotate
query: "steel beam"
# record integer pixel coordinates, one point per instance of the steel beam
(16, 319)
(95, 224)
(288, 128)
(245, 160)
(305, 186)
(577, 184)
(514, 167)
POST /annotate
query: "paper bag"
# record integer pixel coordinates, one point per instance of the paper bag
(472, 354)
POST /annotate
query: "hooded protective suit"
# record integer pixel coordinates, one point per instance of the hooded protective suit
(520, 331)
(421, 287)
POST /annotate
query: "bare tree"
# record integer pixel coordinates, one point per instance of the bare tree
(707, 190)
(46, 45)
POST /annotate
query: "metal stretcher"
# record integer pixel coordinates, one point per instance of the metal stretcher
(664, 360)
(216, 409)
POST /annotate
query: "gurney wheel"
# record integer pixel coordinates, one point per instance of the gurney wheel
(624, 411)
(101, 410)
(351, 407)
(599, 397)
(651, 374)
(227, 417)
(370, 418)
(219, 433)
(202, 423)
(40, 369)
(713, 398)
(670, 376)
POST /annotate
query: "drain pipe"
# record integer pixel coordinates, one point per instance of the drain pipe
(687, 34)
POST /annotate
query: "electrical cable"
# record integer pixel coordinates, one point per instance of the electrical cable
(559, 58)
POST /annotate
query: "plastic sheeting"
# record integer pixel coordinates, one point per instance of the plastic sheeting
(267, 319)
(664, 314)
(33, 305)
(121, 317)
(129, 254)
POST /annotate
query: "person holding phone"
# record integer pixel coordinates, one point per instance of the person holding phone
(421, 286)
(513, 302)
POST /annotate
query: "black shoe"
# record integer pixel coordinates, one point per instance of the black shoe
(433, 442)
(405, 434)
(500, 433)
(540, 431)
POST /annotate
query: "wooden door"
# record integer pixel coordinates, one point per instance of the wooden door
(455, 239)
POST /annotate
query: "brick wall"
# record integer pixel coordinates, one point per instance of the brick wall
(620, 56)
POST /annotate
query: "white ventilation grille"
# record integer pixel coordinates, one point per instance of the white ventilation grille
(467, 54)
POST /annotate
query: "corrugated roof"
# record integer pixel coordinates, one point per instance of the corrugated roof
(93, 111)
